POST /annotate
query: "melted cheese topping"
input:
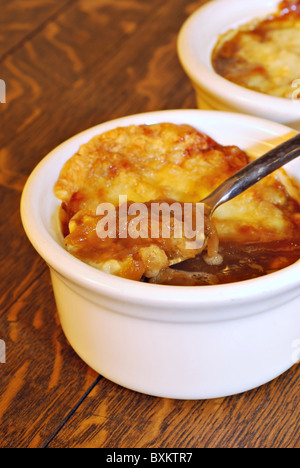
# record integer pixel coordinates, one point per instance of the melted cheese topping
(165, 162)
(263, 55)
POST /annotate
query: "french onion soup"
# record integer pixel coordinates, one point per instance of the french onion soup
(263, 55)
(128, 194)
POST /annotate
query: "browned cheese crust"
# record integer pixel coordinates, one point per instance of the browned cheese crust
(164, 162)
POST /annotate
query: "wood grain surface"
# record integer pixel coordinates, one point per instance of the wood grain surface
(69, 65)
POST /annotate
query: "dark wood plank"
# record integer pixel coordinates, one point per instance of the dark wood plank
(20, 20)
(43, 378)
(113, 71)
(114, 417)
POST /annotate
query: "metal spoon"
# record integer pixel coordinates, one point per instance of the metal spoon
(251, 174)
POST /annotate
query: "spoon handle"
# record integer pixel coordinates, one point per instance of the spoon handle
(254, 172)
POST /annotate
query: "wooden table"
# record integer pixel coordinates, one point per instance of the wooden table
(68, 65)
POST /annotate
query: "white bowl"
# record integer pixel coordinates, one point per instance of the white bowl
(169, 341)
(196, 41)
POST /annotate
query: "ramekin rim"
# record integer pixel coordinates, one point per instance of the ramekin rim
(211, 80)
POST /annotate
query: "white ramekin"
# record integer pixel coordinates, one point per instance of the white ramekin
(196, 41)
(169, 341)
